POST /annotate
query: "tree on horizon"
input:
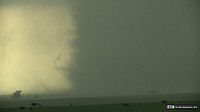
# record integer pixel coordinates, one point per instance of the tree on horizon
(17, 94)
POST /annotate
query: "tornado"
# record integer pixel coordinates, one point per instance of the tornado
(36, 46)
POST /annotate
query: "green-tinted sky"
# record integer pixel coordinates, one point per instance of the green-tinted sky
(137, 46)
(126, 47)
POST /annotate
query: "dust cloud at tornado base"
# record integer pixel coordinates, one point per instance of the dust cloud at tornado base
(36, 44)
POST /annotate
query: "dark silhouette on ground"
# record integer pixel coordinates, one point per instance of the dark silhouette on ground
(22, 107)
(34, 104)
(126, 105)
(39, 105)
(71, 104)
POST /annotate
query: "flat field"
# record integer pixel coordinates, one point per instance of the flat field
(133, 107)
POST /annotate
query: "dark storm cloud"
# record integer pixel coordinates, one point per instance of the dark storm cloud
(124, 47)
(130, 47)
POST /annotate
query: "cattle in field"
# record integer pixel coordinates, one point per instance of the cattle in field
(34, 104)
(22, 107)
(39, 105)
(126, 105)
(71, 104)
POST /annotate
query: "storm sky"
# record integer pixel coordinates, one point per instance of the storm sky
(100, 47)
(36, 46)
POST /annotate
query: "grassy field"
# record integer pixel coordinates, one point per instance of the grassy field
(134, 107)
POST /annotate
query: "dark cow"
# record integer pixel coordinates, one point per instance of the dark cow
(22, 107)
(34, 104)
(39, 105)
(71, 104)
(126, 105)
